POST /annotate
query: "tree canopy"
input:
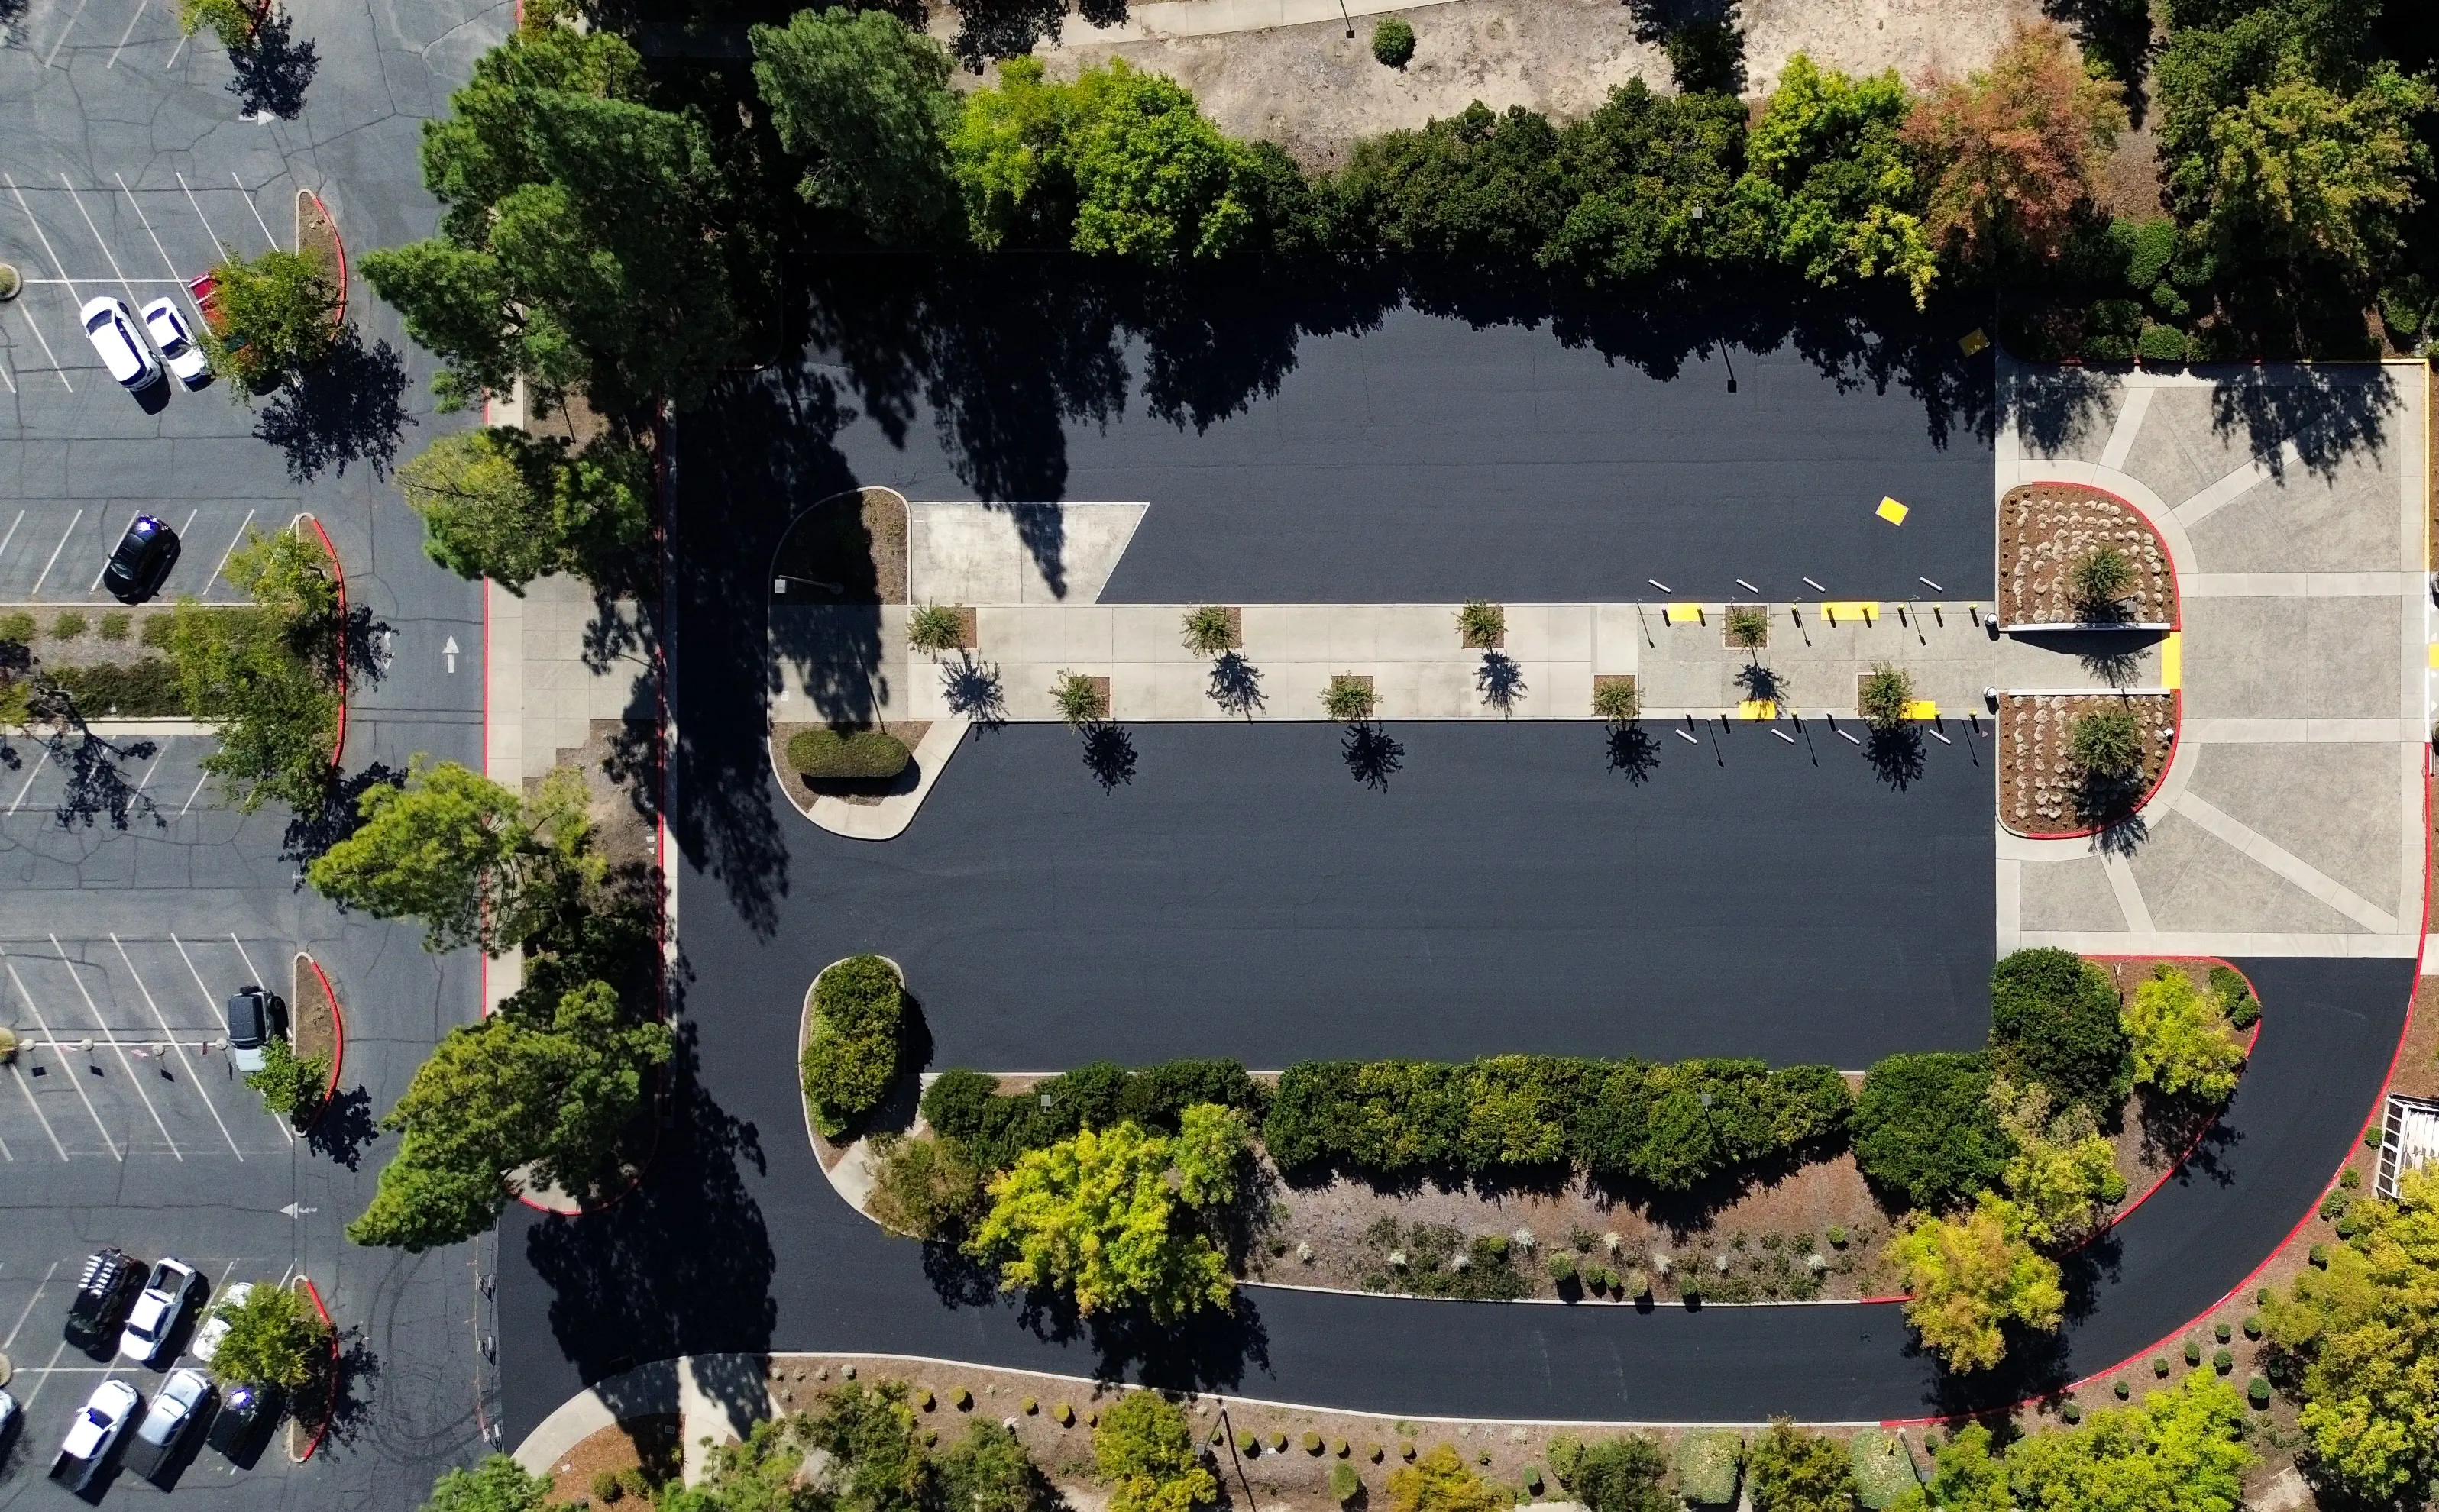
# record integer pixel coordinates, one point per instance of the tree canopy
(271, 316)
(865, 100)
(1925, 1129)
(2184, 1045)
(1145, 1449)
(2063, 1176)
(266, 677)
(1793, 1470)
(496, 1484)
(498, 504)
(1439, 1480)
(1967, 1277)
(2053, 1019)
(275, 1337)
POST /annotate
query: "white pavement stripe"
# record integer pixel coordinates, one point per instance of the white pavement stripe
(42, 1376)
(251, 969)
(147, 222)
(179, 51)
(8, 1155)
(74, 1081)
(27, 1086)
(51, 253)
(62, 40)
(235, 541)
(212, 1002)
(12, 534)
(78, 199)
(5, 378)
(36, 591)
(2129, 420)
(10, 1342)
(134, 1081)
(258, 214)
(2121, 883)
(2261, 848)
(123, 36)
(171, 1036)
(199, 779)
(209, 234)
(33, 770)
(103, 571)
(152, 768)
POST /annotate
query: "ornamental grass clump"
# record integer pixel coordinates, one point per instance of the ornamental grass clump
(1617, 702)
(2107, 744)
(935, 628)
(1208, 632)
(1349, 698)
(1079, 700)
(1748, 627)
(1480, 625)
(2099, 581)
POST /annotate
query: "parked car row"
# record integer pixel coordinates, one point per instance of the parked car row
(148, 1308)
(112, 329)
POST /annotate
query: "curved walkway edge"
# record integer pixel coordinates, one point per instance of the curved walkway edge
(888, 818)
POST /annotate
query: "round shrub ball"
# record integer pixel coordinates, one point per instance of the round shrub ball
(2221, 1333)
(2223, 1362)
(2160, 1365)
(835, 756)
(2072, 1412)
(2193, 1353)
(1311, 1442)
(2256, 1390)
(2253, 1326)
(1392, 41)
(2123, 1389)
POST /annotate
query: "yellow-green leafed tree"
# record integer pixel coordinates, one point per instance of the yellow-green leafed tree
(2064, 1175)
(1096, 1215)
(2361, 1340)
(1971, 1275)
(2184, 1045)
(1145, 1449)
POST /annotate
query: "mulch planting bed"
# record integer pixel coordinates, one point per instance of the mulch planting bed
(317, 236)
(851, 548)
(855, 791)
(2046, 529)
(645, 1449)
(313, 1018)
(2039, 789)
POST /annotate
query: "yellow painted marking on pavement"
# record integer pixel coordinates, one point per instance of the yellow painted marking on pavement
(1757, 709)
(1865, 610)
(1684, 614)
(1892, 511)
(1974, 341)
(1921, 709)
(2172, 660)
(2434, 655)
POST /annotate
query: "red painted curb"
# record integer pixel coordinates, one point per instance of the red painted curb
(338, 1045)
(329, 1408)
(339, 578)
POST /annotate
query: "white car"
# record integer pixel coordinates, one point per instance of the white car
(111, 326)
(178, 346)
(216, 1323)
(159, 1312)
(97, 1425)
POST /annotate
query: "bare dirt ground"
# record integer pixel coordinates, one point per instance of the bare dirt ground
(1312, 90)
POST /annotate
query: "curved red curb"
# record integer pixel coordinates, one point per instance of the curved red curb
(2177, 696)
(338, 1042)
(339, 578)
(328, 1407)
(2176, 625)
(338, 316)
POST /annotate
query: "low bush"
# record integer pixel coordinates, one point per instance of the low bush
(1618, 703)
(2107, 744)
(2235, 996)
(1625, 1474)
(2193, 1353)
(2253, 1326)
(1710, 1466)
(2256, 1390)
(1883, 1471)
(2161, 344)
(1924, 1131)
(1614, 1119)
(2221, 1333)
(1748, 627)
(1563, 1453)
(2183, 1044)
(925, 1187)
(1481, 625)
(851, 1057)
(1344, 1482)
(1206, 630)
(113, 624)
(1310, 1442)
(1349, 698)
(145, 689)
(291, 1087)
(2223, 1362)
(69, 625)
(1883, 694)
(836, 756)
(1078, 699)
(2053, 1019)
(2122, 1387)
(18, 626)
(1562, 1268)
(2160, 1366)
(1392, 41)
(995, 1127)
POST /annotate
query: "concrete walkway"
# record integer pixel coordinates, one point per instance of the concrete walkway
(2290, 822)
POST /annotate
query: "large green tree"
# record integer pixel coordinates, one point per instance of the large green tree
(1971, 1276)
(865, 99)
(1832, 191)
(551, 1095)
(498, 504)
(267, 678)
(272, 316)
(275, 1337)
(1791, 1469)
(1924, 1131)
(2053, 1019)
(496, 1484)
(1649, 177)
(578, 244)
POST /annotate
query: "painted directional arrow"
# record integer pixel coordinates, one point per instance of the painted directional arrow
(294, 1211)
(449, 650)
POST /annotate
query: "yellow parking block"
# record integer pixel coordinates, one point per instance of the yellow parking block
(2434, 655)
(1866, 609)
(1684, 614)
(1974, 341)
(1921, 709)
(2172, 660)
(1757, 709)
(1892, 511)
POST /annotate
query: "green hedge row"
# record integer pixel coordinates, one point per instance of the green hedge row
(145, 689)
(1672, 1125)
(996, 1128)
(830, 754)
(851, 1057)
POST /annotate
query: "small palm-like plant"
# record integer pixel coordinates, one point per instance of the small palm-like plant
(1480, 625)
(2107, 744)
(2101, 578)
(1079, 700)
(935, 628)
(1349, 698)
(1886, 692)
(1618, 703)
(1207, 633)
(1748, 627)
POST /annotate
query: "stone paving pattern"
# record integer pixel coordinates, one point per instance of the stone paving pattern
(2293, 503)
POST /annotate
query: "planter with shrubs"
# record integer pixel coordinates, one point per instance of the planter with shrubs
(846, 756)
(854, 1014)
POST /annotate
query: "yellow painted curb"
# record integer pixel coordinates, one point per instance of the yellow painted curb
(1757, 709)
(1684, 614)
(1920, 709)
(2172, 660)
(1866, 609)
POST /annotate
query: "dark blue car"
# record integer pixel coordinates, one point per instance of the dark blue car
(142, 561)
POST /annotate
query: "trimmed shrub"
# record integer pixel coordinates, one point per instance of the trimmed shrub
(2071, 1411)
(2161, 344)
(1792, 1467)
(2253, 1326)
(838, 756)
(2160, 1366)
(1344, 1482)
(2235, 996)
(1392, 41)
(1562, 1268)
(2256, 1390)
(2193, 1352)
(1883, 1468)
(1311, 1442)
(2223, 1362)
(2222, 1332)
(1710, 1465)
(851, 1059)
(995, 1128)
(1925, 1132)
(2053, 1019)
(1531, 1480)
(1626, 1474)
(1249, 1446)
(1564, 1452)
(2122, 1387)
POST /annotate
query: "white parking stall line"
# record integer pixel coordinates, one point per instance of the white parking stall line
(258, 214)
(17, 1074)
(33, 770)
(49, 251)
(36, 591)
(12, 534)
(94, 1008)
(60, 372)
(212, 1002)
(171, 1036)
(146, 221)
(209, 234)
(74, 1081)
(124, 35)
(42, 1376)
(5, 378)
(78, 201)
(8, 1155)
(10, 1342)
(103, 570)
(199, 779)
(235, 541)
(152, 768)
(62, 40)
(242, 954)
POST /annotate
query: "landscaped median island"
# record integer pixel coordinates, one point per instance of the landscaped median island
(2075, 556)
(1959, 1178)
(2071, 763)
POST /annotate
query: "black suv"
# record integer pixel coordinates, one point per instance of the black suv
(106, 1288)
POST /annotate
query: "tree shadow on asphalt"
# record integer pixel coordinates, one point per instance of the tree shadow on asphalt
(309, 835)
(1897, 755)
(1632, 751)
(972, 689)
(1372, 755)
(684, 1265)
(348, 407)
(96, 788)
(272, 71)
(345, 1127)
(1109, 754)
